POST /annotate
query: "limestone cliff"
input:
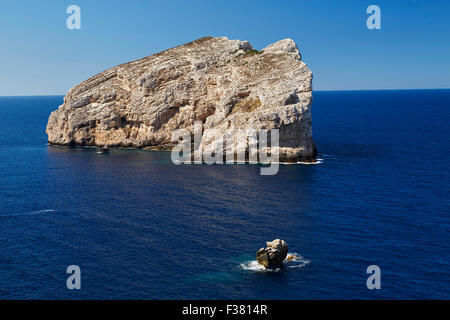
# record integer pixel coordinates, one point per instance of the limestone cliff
(224, 83)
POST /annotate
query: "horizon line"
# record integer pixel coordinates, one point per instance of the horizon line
(321, 90)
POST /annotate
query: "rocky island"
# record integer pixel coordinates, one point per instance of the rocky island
(273, 255)
(225, 84)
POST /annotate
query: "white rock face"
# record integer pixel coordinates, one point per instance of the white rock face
(224, 83)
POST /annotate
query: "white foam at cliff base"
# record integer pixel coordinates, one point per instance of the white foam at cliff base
(318, 161)
(297, 261)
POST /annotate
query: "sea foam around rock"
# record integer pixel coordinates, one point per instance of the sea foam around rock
(297, 261)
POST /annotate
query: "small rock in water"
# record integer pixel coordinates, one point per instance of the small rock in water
(104, 149)
(273, 255)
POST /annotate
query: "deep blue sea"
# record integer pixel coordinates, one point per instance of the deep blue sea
(141, 227)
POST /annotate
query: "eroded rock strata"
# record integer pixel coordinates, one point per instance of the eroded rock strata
(226, 84)
(273, 255)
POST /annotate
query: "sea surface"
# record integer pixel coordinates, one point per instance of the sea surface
(140, 227)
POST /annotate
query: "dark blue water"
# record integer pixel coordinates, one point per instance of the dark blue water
(141, 227)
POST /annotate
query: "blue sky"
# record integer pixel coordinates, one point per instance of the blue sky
(40, 56)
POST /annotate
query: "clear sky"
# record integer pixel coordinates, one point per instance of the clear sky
(40, 56)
